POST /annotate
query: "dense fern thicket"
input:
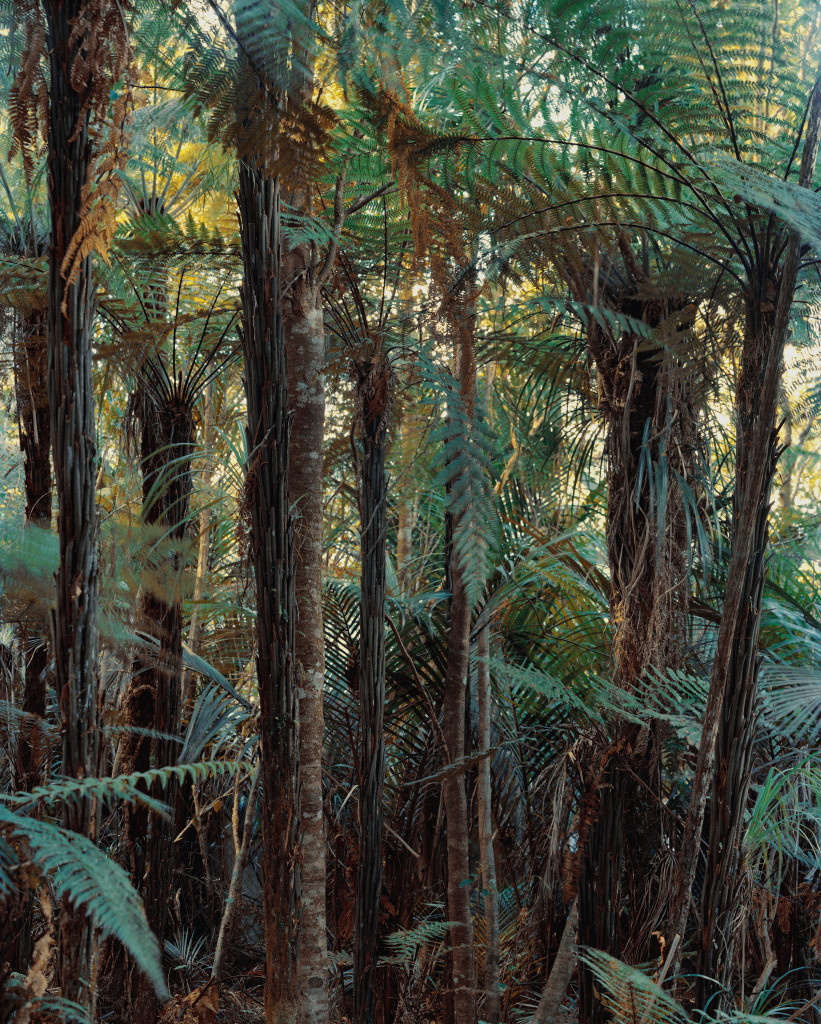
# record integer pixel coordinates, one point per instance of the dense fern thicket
(409, 511)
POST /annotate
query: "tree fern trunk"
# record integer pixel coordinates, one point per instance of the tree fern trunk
(650, 440)
(731, 773)
(454, 714)
(731, 781)
(463, 965)
(374, 391)
(271, 552)
(733, 679)
(167, 438)
(74, 449)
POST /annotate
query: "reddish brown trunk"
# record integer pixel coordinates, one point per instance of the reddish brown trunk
(454, 793)
(650, 440)
(305, 345)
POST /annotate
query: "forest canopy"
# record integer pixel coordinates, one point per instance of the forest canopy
(410, 518)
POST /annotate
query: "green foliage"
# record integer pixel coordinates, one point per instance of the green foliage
(90, 880)
(462, 465)
(630, 995)
(404, 945)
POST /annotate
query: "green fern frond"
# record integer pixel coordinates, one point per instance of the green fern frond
(132, 788)
(405, 943)
(629, 994)
(85, 876)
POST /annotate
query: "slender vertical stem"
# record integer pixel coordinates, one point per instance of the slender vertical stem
(484, 697)
(374, 392)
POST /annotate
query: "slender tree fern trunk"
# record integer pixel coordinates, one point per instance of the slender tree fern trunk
(722, 764)
(408, 436)
(374, 392)
(271, 552)
(487, 859)
(735, 729)
(454, 714)
(154, 699)
(731, 778)
(74, 449)
(463, 965)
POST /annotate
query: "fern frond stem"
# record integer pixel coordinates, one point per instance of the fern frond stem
(671, 136)
(738, 245)
(214, 373)
(158, 379)
(176, 321)
(678, 203)
(384, 260)
(356, 295)
(193, 358)
(131, 281)
(564, 229)
(389, 188)
(799, 135)
(161, 198)
(341, 316)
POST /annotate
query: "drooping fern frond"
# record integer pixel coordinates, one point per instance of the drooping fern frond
(464, 447)
(132, 788)
(90, 880)
(630, 996)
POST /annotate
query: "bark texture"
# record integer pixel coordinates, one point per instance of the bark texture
(454, 708)
(487, 859)
(203, 551)
(374, 391)
(643, 395)
(153, 700)
(74, 450)
(756, 457)
(561, 972)
(734, 671)
(31, 384)
(305, 348)
(270, 540)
